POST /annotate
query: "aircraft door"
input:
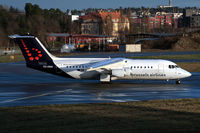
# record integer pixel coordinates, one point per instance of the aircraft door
(127, 71)
(160, 68)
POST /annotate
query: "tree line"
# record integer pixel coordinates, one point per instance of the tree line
(39, 21)
(34, 20)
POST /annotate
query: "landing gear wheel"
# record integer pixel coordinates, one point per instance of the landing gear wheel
(178, 82)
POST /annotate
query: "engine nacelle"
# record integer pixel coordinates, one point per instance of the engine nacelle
(118, 73)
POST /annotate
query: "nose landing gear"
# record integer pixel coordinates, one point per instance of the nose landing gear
(178, 82)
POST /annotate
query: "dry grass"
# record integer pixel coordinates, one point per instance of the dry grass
(192, 56)
(180, 115)
(190, 66)
(7, 58)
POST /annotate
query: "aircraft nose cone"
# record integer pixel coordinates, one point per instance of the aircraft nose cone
(188, 74)
(185, 74)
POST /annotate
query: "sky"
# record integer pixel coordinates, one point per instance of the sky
(84, 4)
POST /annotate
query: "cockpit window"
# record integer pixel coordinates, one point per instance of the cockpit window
(173, 66)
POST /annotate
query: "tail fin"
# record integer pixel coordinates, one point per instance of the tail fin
(32, 49)
(35, 54)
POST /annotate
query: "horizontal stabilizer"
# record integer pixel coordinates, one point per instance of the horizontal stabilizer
(19, 36)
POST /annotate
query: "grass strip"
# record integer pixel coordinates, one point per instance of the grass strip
(192, 56)
(9, 58)
(190, 66)
(179, 115)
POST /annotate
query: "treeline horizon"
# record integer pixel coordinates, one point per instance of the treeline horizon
(88, 10)
(33, 20)
(39, 22)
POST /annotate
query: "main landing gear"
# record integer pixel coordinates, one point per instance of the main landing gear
(178, 82)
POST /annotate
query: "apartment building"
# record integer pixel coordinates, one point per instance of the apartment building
(102, 22)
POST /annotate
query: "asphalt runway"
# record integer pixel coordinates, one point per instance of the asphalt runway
(21, 86)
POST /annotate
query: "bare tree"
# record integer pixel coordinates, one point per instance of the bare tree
(107, 25)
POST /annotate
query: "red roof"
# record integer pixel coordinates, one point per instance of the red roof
(102, 15)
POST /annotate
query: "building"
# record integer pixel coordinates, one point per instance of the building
(107, 23)
(191, 18)
(190, 12)
(90, 24)
(74, 18)
(157, 21)
(192, 21)
(160, 20)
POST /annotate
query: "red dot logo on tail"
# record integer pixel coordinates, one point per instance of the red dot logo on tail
(33, 51)
(31, 58)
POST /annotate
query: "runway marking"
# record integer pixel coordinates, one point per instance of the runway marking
(40, 95)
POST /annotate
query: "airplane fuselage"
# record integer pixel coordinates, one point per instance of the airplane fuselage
(127, 69)
(104, 69)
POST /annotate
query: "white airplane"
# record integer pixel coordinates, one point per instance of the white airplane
(103, 69)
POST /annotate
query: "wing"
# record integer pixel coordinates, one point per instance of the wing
(106, 65)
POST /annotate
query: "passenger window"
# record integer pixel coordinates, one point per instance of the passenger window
(137, 66)
(134, 66)
(151, 67)
(141, 67)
